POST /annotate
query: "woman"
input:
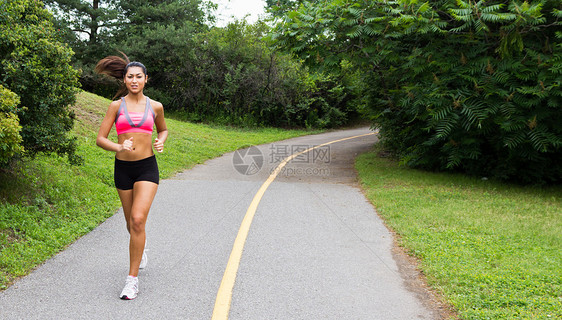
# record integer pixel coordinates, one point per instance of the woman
(136, 171)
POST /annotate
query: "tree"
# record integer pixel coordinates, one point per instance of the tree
(280, 7)
(164, 12)
(35, 65)
(92, 21)
(157, 34)
(230, 75)
(88, 27)
(453, 85)
(144, 30)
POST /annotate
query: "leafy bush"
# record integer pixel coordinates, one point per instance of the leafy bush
(480, 94)
(35, 65)
(231, 73)
(225, 75)
(10, 138)
(452, 85)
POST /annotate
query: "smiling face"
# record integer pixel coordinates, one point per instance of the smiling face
(135, 79)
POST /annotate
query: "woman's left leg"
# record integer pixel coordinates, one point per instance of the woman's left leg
(143, 195)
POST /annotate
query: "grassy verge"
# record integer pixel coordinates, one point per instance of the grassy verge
(493, 250)
(47, 204)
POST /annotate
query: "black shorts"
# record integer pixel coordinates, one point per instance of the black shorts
(126, 173)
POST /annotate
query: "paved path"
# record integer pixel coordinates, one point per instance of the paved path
(316, 248)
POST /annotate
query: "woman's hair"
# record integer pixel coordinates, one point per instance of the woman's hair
(117, 67)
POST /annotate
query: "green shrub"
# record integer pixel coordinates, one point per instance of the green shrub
(452, 85)
(10, 138)
(231, 74)
(35, 65)
(480, 95)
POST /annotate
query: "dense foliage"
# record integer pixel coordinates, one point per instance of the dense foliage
(227, 75)
(10, 138)
(35, 65)
(92, 21)
(452, 85)
(158, 35)
(279, 8)
(98, 28)
(230, 74)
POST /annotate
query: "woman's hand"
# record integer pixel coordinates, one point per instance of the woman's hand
(158, 145)
(127, 145)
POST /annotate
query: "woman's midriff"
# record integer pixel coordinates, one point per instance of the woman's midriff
(142, 146)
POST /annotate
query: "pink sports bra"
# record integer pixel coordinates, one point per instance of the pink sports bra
(125, 123)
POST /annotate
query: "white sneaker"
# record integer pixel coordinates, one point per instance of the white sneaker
(144, 259)
(131, 288)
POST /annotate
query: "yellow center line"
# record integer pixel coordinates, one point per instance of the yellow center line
(224, 295)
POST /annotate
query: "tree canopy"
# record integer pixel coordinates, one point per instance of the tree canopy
(452, 85)
(35, 65)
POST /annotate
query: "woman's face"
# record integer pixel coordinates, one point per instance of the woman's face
(135, 79)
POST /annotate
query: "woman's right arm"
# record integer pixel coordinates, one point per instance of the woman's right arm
(105, 127)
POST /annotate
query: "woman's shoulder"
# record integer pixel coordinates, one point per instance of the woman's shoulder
(114, 105)
(156, 105)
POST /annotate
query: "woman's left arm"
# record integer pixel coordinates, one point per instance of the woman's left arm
(160, 128)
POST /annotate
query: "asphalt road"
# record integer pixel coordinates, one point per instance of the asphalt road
(316, 248)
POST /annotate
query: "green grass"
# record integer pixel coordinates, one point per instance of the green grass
(46, 204)
(492, 250)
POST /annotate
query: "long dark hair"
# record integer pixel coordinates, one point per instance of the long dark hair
(117, 67)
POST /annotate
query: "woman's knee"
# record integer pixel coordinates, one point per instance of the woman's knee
(137, 223)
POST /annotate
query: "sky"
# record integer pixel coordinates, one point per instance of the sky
(238, 8)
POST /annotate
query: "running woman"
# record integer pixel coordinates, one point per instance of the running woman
(136, 171)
